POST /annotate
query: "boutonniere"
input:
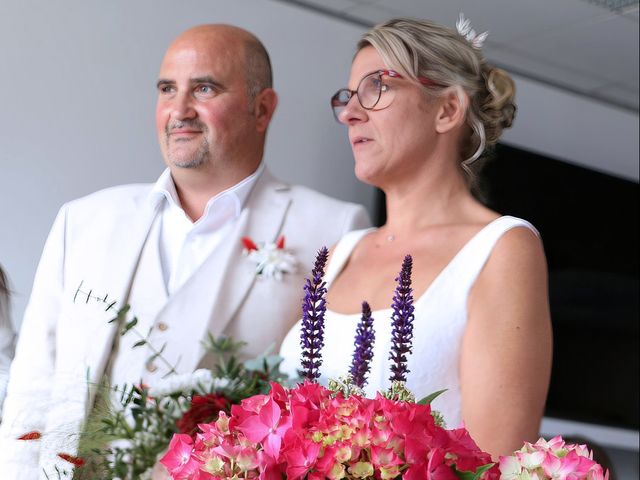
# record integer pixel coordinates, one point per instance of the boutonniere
(272, 259)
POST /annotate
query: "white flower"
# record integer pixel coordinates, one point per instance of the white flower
(272, 259)
(218, 384)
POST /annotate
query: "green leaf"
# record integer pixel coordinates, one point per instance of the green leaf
(139, 344)
(222, 344)
(473, 475)
(430, 398)
(264, 364)
(129, 325)
(121, 313)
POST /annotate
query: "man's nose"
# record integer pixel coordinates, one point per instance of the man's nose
(183, 106)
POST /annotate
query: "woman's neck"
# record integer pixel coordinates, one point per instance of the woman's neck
(430, 197)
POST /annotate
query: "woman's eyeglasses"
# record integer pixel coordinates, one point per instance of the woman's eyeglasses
(372, 92)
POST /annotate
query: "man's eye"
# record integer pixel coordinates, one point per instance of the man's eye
(166, 88)
(205, 89)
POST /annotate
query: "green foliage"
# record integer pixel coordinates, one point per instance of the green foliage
(124, 441)
(128, 326)
(430, 398)
(477, 475)
(129, 429)
(398, 391)
(345, 386)
(438, 418)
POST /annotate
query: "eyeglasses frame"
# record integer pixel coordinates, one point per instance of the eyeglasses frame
(380, 73)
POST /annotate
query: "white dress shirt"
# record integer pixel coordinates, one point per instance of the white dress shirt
(185, 244)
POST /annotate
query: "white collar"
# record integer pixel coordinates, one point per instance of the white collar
(233, 198)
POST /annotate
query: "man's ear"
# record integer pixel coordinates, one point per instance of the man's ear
(264, 106)
(452, 109)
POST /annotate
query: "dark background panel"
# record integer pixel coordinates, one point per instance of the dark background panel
(589, 225)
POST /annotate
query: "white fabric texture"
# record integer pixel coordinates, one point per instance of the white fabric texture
(440, 319)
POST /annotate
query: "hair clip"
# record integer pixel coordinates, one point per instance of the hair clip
(463, 25)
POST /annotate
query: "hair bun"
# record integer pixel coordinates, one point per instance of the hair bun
(501, 89)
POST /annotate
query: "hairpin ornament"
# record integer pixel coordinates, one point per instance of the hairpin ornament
(463, 25)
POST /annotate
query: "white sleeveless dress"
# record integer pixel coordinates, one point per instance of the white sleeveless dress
(440, 319)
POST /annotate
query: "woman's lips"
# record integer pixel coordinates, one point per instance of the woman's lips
(360, 140)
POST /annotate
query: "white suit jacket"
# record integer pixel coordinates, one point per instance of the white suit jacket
(96, 241)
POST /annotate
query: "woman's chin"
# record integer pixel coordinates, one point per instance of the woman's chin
(368, 175)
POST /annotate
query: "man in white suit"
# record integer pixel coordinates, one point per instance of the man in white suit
(171, 250)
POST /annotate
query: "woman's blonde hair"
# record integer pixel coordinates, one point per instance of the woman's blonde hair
(421, 48)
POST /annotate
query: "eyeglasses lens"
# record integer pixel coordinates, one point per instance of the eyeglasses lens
(369, 91)
(372, 94)
(339, 101)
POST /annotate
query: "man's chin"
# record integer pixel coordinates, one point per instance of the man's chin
(186, 166)
(186, 163)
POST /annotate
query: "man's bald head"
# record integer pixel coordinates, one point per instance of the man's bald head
(237, 42)
(214, 104)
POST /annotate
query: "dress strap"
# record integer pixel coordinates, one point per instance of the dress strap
(470, 261)
(342, 252)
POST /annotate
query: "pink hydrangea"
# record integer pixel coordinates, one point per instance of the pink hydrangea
(312, 433)
(546, 460)
(179, 460)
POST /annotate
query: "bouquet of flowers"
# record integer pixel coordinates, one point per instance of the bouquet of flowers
(315, 432)
(132, 425)
(125, 439)
(312, 432)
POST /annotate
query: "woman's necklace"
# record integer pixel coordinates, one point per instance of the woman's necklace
(384, 239)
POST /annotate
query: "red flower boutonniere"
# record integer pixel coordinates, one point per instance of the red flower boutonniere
(272, 259)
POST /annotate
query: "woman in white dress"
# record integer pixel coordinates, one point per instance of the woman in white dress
(421, 107)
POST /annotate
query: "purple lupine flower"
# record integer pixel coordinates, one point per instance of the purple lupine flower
(313, 308)
(402, 318)
(363, 353)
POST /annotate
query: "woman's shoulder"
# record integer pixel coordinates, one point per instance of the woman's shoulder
(497, 235)
(515, 237)
(518, 252)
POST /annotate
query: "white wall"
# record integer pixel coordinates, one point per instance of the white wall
(77, 99)
(575, 129)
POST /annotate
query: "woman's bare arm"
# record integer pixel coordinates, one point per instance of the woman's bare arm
(507, 347)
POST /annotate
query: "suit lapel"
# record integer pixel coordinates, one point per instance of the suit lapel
(265, 211)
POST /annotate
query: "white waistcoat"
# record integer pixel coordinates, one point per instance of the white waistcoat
(161, 318)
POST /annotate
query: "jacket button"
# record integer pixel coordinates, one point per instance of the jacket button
(162, 326)
(151, 367)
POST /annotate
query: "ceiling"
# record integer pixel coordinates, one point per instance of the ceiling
(588, 47)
